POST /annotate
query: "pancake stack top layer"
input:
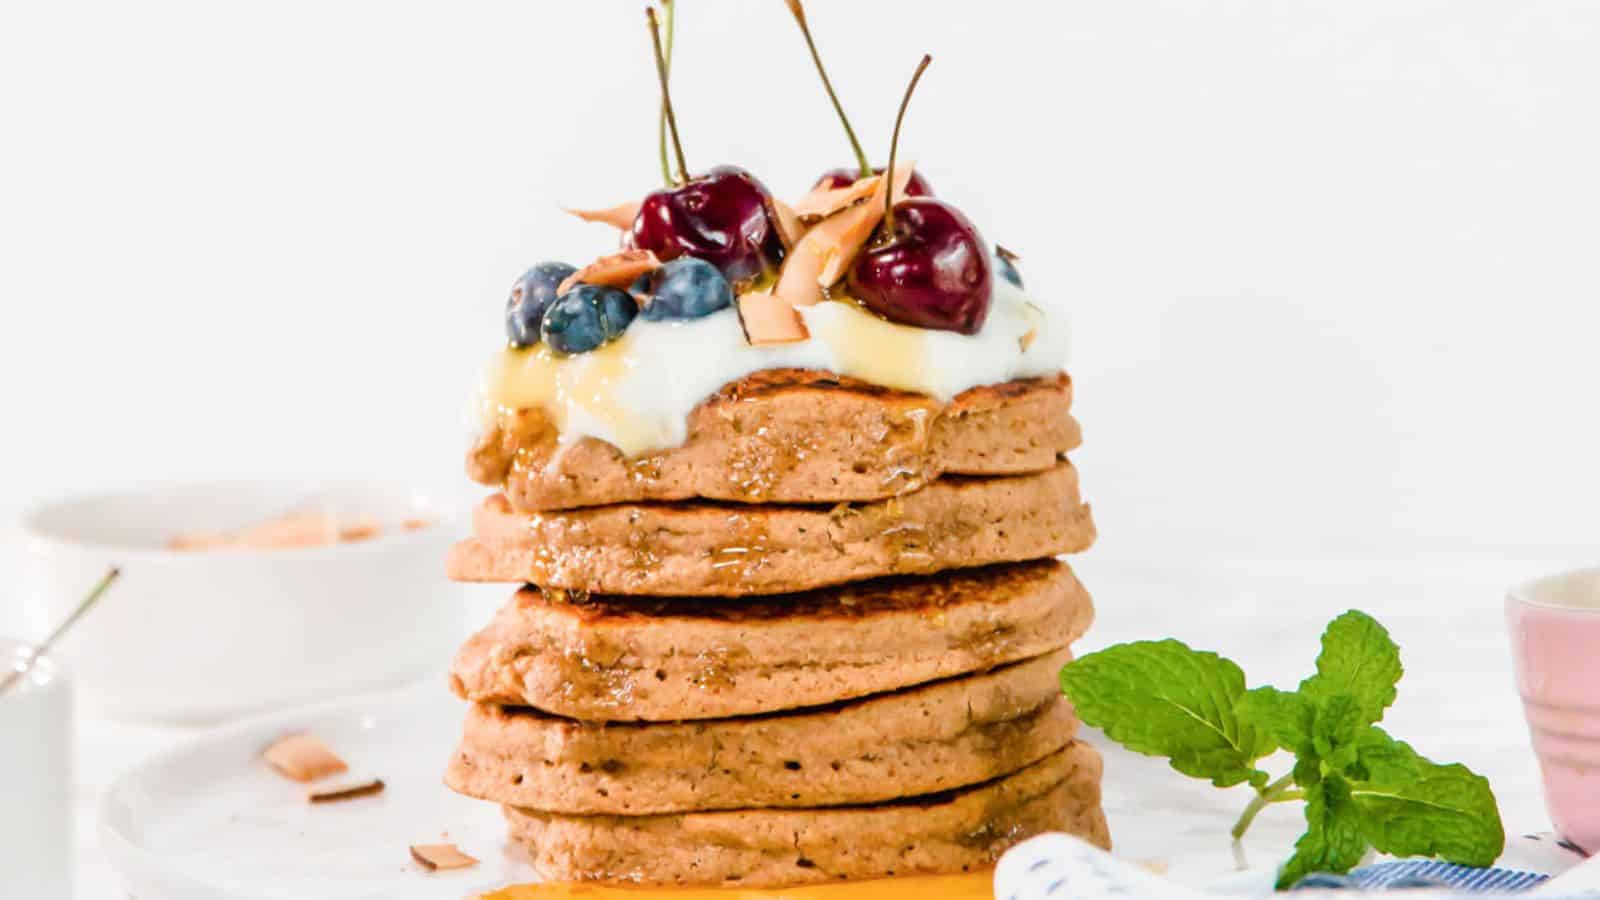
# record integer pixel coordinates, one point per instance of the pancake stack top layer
(782, 488)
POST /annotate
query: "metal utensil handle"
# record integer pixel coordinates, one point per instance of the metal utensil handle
(40, 649)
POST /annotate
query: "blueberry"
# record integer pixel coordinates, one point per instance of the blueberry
(1005, 263)
(685, 288)
(530, 296)
(586, 317)
(617, 309)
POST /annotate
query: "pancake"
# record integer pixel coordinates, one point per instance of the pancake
(940, 834)
(601, 658)
(789, 436)
(924, 740)
(712, 549)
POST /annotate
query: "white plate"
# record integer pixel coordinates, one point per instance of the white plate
(211, 821)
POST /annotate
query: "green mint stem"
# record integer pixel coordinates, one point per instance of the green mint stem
(1276, 792)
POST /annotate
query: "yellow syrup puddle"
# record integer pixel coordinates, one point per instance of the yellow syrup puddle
(538, 378)
(973, 886)
(879, 351)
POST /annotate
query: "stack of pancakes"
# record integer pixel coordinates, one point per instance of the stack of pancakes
(819, 640)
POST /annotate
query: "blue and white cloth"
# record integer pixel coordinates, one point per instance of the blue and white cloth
(1058, 867)
(1427, 873)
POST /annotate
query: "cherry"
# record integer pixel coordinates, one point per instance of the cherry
(916, 186)
(930, 269)
(720, 217)
(928, 266)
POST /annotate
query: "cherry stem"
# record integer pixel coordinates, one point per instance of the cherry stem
(894, 145)
(661, 120)
(855, 144)
(666, 96)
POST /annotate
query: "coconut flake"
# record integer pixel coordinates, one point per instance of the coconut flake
(828, 249)
(304, 757)
(767, 319)
(620, 216)
(822, 203)
(441, 857)
(616, 270)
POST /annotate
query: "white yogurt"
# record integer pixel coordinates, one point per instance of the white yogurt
(637, 392)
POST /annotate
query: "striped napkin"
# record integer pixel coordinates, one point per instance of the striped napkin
(1059, 867)
(1427, 873)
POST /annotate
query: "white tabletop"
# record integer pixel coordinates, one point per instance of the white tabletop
(1456, 701)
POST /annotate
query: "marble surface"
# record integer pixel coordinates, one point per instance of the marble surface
(1456, 702)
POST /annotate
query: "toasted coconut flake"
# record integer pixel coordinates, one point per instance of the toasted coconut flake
(767, 319)
(841, 255)
(303, 528)
(362, 530)
(441, 857)
(822, 203)
(620, 216)
(417, 524)
(198, 541)
(617, 270)
(310, 527)
(304, 757)
(1005, 254)
(1027, 339)
(335, 793)
(790, 227)
(823, 255)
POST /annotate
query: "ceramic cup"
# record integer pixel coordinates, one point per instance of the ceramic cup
(35, 778)
(1555, 645)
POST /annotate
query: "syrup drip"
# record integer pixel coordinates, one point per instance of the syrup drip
(908, 539)
(761, 460)
(538, 378)
(746, 551)
(600, 677)
(905, 450)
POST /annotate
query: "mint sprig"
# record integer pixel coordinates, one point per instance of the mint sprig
(1186, 701)
(1361, 787)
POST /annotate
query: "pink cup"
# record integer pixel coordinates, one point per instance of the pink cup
(1555, 644)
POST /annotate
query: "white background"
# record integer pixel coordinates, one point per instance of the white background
(1331, 265)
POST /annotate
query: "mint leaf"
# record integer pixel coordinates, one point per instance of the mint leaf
(1161, 698)
(1333, 841)
(1339, 721)
(1412, 806)
(1284, 716)
(1362, 788)
(1359, 659)
(1307, 771)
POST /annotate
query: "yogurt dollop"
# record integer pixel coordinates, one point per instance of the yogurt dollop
(637, 392)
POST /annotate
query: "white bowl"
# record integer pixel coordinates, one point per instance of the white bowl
(200, 636)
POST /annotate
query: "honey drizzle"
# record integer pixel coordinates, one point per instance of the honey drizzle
(880, 351)
(746, 552)
(538, 378)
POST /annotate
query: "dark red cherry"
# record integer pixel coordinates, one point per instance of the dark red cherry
(838, 178)
(931, 269)
(720, 217)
